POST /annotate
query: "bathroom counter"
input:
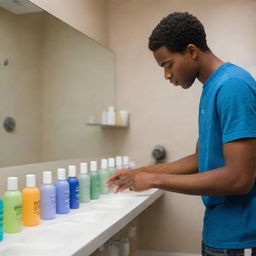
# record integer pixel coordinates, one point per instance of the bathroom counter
(81, 231)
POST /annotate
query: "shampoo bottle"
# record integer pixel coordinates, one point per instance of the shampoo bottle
(31, 202)
(1, 220)
(104, 175)
(48, 197)
(126, 165)
(62, 192)
(111, 166)
(95, 181)
(119, 163)
(84, 184)
(73, 187)
(12, 207)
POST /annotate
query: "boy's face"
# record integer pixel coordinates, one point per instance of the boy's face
(181, 69)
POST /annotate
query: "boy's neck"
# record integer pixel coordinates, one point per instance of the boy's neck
(208, 64)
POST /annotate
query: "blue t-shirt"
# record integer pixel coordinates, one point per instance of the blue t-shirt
(227, 112)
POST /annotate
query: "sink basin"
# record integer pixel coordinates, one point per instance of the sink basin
(52, 237)
(21, 250)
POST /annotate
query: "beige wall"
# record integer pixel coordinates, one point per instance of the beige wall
(88, 16)
(163, 114)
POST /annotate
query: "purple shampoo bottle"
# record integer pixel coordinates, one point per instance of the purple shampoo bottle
(62, 192)
(47, 197)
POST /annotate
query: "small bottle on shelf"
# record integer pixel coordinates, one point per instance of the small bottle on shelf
(124, 118)
(111, 116)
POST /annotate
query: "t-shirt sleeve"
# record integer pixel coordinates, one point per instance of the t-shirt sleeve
(236, 107)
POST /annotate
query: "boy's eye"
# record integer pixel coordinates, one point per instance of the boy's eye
(168, 65)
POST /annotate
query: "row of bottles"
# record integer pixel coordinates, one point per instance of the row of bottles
(111, 117)
(32, 204)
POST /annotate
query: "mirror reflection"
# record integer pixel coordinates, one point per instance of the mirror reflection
(52, 77)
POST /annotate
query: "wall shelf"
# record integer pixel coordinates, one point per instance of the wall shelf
(107, 125)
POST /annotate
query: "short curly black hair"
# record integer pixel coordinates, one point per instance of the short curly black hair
(176, 31)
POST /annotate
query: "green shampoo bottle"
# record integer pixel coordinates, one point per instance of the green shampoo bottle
(1, 220)
(12, 207)
(95, 181)
(84, 184)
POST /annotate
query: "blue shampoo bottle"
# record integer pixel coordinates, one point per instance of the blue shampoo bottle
(62, 192)
(47, 197)
(73, 187)
(1, 220)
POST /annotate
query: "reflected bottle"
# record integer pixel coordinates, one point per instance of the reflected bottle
(48, 197)
(95, 181)
(31, 202)
(1, 220)
(104, 175)
(62, 192)
(12, 207)
(84, 184)
(73, 187)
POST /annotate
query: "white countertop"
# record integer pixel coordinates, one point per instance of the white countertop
(81, 231)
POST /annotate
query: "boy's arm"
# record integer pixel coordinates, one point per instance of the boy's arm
(235, 178)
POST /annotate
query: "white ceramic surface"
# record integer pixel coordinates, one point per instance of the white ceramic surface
(81, 231)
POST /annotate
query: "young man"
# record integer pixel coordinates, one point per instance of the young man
(223, 168)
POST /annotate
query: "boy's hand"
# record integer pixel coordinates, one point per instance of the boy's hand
(136, 181)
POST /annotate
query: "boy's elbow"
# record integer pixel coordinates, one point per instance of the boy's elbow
(243, 187)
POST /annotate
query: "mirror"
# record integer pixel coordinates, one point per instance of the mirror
(52, 77)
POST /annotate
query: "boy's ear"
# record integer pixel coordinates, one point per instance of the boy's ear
(192, 50)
